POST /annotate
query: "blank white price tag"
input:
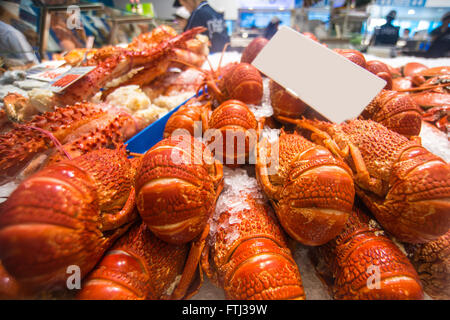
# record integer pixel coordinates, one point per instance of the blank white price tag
(331, 84)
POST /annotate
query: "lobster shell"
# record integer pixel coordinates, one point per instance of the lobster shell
(176, 188)
(311, 191)
(240, 81)
(9, 287)
(234, 120)
(353, 55)
(381, 70)
(404, 185)
(139, 266)
(353, 258)
(412, 68)
(396, 111)
(252, 50)
(247, 254)
(432, 262)
(187, 117)
(284, 104)
(66, 214)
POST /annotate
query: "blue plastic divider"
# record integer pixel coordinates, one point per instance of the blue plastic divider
(152, 134)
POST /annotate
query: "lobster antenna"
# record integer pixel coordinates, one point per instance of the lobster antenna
(221, 57)
(136, 155)
(211, 67)
(189, 65)
(424, 87)
(55, 141)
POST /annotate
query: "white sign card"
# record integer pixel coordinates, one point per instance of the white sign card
(47, 74)
(68, 78)
(331, 84)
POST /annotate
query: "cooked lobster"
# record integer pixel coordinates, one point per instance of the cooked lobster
(247, 253)
(139, 266)
(311, 191)
(432, 262)
(364, 264)
(66, 214)
(396, 111)
(177, 186)
(404, 185)
(79, 128)
(232, 133)
(253, 48)
(190, 117)
(284, 104)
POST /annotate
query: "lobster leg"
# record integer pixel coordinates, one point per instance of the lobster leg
(192, 263)
(261, 167)
(322, 136)
(218, 177)
(111, 221)
(193, 260)
(362, 174)
(205, 116)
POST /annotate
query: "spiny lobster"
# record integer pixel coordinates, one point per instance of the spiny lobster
(230, 131)
(253, 48)
(364, 264)
(80, 128)
(140, 266)
(240, 81)
(404, 185)
(284, 104)
(376, 67)
(188, 117)
(432, 262)
(396, 111)
(311, 191)
(66, 214)
(176, 188)
(247, 253)
(145, 65)
(234, 129)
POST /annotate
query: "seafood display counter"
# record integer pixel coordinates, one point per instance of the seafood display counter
(164, 172)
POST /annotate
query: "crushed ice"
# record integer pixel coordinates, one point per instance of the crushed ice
(237, 183)
(435, 141)
(264, 110)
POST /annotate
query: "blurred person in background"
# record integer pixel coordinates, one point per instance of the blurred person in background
(440, 39)
(387, 34)
(202, 14)
(406, 34)
(272, 28)
(181, 17)
(14, 45)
